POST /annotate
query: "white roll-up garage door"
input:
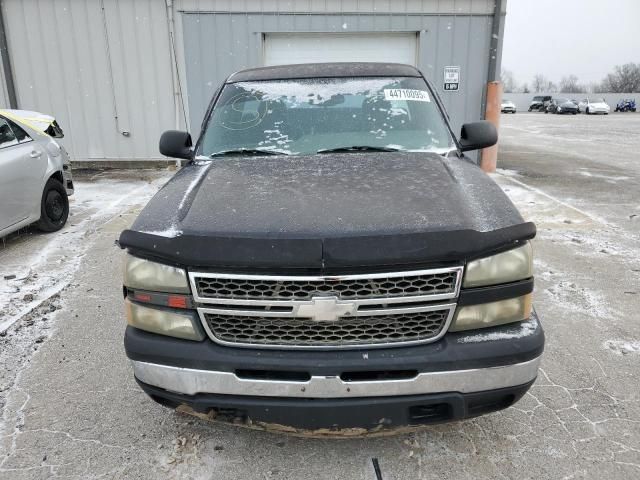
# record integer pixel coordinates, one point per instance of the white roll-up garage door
(283, 48)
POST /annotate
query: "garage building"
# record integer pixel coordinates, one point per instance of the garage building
(116, 73)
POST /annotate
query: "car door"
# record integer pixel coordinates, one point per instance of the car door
(20, 174)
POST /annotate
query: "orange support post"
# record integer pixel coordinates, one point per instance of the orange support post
(489, 156)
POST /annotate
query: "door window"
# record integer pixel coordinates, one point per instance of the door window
(7, 137)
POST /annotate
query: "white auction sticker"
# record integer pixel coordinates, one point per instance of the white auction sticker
(406, 94)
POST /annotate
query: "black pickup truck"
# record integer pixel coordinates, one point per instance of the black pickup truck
(330, 261)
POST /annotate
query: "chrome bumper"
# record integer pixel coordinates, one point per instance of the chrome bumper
(190, 382)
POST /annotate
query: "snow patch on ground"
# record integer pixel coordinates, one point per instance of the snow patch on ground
(525, 329)
(623, 347)
(36, 266)
(608, 178)
(508, 172)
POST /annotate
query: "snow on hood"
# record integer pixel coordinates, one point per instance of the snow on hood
(333, 208)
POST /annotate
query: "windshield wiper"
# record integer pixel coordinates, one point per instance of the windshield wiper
(359, 148)
(248, 151)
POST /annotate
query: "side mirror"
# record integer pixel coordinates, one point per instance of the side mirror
(176, 144)
(477, 135)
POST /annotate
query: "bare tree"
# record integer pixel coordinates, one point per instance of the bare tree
(539, 83)
(525, 88)
(570, 85)
(509, 83)
(624, 79)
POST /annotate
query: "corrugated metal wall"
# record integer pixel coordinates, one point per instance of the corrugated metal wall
(4, 96)
(88, 65)
(104, 68)
(444, 40)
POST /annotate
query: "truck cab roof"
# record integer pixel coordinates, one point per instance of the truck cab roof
(324, 70)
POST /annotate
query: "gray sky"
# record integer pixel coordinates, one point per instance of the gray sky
(560, 37)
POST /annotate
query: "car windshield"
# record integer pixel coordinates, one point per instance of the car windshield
(305, 116)
(597, 100)
(537, 99)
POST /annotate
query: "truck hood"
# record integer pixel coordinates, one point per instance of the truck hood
(326, 211)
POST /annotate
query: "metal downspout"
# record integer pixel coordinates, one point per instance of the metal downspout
(6, 62)
(175, 80)
(489, 156)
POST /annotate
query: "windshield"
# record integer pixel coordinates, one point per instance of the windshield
(302, 117)
(537, 99)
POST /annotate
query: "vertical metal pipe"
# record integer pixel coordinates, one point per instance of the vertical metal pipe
(495, 42)
(6, 62)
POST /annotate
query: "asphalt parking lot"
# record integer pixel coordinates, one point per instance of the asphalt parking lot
(71, 409)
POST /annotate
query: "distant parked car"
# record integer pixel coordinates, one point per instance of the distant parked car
(626, 105)
(539, 103)
(35, 173)
(594, 105)
(507, 106)
(562, 105)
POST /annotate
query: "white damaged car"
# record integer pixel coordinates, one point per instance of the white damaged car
(35, 172)
(594, 105)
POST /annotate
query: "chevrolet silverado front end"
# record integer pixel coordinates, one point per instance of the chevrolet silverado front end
(330, 261)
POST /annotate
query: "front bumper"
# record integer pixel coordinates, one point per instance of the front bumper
(68, 180)
(462, 375)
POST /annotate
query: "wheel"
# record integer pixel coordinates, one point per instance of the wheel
(587, 111)
(633, 109)
(574, 113)
(54, 207)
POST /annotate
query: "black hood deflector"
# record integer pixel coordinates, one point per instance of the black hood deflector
(327, 213)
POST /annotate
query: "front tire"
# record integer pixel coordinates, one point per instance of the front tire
(54, 207)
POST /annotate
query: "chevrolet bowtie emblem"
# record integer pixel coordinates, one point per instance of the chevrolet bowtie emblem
(326, 309)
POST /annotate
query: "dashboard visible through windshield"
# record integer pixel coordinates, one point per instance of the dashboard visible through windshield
(309, 116)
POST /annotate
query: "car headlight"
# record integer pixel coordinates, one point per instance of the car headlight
(559, 109)
(174, 323)
(492, 314)
(148, 275)
(505, 267)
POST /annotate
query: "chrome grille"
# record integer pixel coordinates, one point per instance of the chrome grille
(326, 311)
(305, 288)
(301, 332)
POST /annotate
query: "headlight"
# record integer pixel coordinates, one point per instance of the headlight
(559, 109)
(147, 275)
(165, 322)
(492, 314)
(509, 266)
